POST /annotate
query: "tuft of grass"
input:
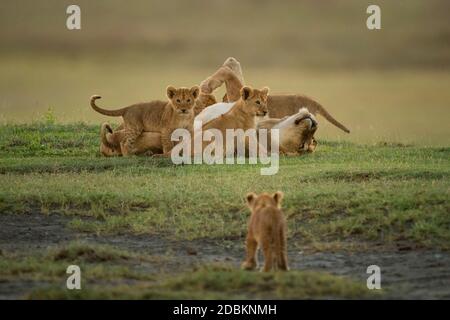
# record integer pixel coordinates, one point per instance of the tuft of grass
(83, 252)
(97, 262)
(49, 117)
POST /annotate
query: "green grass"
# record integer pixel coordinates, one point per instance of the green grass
(222, 282)
(48, 139)
(97, 262)
(109, 273)
(343, 193)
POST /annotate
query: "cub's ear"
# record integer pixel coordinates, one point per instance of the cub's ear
(278, 196)
(250, 197)
(246, 92)
(265, 91)
(195, 91)
(171, 91)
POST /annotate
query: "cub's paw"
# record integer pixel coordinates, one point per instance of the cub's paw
(312, 146)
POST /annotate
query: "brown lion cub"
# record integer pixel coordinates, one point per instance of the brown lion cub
(242, 115)
(156, 116)
(267, 231)
(148, 143)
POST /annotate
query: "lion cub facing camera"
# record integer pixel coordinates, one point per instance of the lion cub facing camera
(156, 116)
(266, 231)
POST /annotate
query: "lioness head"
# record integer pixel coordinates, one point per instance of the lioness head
(183, 99)
(255, 100)
(297, 131)
(264, 200)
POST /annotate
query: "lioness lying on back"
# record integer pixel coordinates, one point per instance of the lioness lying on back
(157, 116)
(296, 133)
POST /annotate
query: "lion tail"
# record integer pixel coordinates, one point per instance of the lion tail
(105, 129)
(321, 110)
(112, 113)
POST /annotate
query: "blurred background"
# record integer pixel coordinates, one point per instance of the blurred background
(388, 85)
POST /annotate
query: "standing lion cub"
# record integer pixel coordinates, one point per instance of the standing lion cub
(156, 116)
(267, 231)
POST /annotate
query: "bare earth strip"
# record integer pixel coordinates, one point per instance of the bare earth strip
(422, 274)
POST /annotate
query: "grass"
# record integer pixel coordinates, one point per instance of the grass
(98, 262)
(46, 138)
(79, 252)
(109, 273)
(221, 282)
(344, 192)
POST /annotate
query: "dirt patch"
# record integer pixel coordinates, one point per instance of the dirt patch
(406, 274)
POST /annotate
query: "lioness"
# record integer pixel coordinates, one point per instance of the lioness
(157, 116)
(279, 105)
(296, 132)
(266, 231)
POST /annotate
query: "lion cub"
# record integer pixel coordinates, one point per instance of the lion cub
(148, 143)
(241, 114)
(156, 116)
(267, 231)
